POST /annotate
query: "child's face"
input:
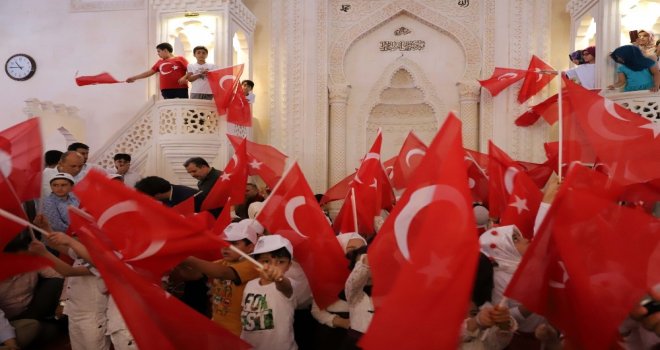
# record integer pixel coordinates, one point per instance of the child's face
(60, 187)
(163, 53)
(201, 55)
(520, 242)
(282, 263)
(246, 87)
(232, 256)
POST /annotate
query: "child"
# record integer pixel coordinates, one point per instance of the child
(172, 71)
(196, 74)
(268, 302)
(56, 203)
(230, 274)
(636, 72)
(248, 86)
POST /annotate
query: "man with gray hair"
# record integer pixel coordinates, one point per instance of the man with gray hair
(70, 163)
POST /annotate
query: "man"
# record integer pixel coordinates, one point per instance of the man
(70, 163)
(52, 157)
(83, 149)
(206, 176)
(165, 192)
(123, 168)
(251, 195)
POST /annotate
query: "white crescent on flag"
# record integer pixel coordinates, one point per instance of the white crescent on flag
(412, 152)
(117, 209)
(224, 78)
(289, 211)
(509, 75)
(421, 198)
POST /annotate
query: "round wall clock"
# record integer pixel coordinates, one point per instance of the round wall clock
(20, 67)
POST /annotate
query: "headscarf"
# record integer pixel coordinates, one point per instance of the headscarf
(254, 208)
(576, 56)
(497, 244)
(345, 237)
(632, 57)
(591, 50)
(648, 50)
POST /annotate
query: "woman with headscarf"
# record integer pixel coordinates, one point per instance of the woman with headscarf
(334, 319)
(585, 73)
(505, 246)
(646, 42)
(635, 71)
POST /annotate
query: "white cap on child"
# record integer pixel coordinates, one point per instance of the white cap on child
(271, 243)
(237, 231)
(343, 239)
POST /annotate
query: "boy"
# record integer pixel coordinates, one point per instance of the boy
(268, 302)
(54, 206)
(248, 86)
(123, 167)
(230, 274)
(196, 74)
(172, 71)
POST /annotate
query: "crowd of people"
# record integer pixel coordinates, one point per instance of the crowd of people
(271, 307)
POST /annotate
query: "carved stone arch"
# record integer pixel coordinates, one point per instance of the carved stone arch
(455, 30)
(421, 109)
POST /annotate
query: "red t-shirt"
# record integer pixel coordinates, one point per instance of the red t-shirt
(170, 71)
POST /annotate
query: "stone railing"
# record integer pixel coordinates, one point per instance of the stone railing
(645, 102)
(165, 133)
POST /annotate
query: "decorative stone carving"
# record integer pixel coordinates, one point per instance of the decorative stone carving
(577, 7)
(469, 92)
(642, 102)
(338, 96)
(200, 122)
(168, 122)
(467, 39)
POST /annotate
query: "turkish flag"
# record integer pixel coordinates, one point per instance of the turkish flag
(11, 204)
(546, 109)
(231, 183)
(501, 172)
(345, 219)
(187, 207)
(339, 190)
(425, 255)
(239, 111)
(535, 81)
(538, 172)
(223, 220)
(373, 190)
(263, 160)
(223, 83)
(292, 211)
(21, 158)
(16, 264)
(477, 177)
(149, 236)
(501, 79)
(103, 78)
(592, 259)
(523, 204)
(410, 155)
(157, 320)
(624, 141)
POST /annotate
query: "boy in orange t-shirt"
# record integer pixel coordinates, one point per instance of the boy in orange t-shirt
(231, 274)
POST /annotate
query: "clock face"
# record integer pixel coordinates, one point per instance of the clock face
(20, 67)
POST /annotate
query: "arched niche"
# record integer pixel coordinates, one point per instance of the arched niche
(402, 100)
(241, 51)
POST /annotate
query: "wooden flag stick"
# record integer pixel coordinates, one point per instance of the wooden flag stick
(355, 220)
(21, 221)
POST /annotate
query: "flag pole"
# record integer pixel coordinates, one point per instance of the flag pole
(246, 257)
(9, 216)
(560, 114)
(355, 221)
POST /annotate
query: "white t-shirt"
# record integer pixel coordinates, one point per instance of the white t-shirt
(267, 317)
(201, 85)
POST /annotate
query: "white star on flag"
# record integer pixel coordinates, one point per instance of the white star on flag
(655, 127)
(225, 177)
(255, 164)
(436, 269)
(520, 204)
(375, 184)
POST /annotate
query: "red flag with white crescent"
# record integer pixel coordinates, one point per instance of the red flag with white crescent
(501, 79)
(21, 158)
(429, 241)
(223, 83)
(156, 319)
(538, 75)
(263, 160)
(103, 78)
(411, 154)
(291, 210)
(231, 183)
